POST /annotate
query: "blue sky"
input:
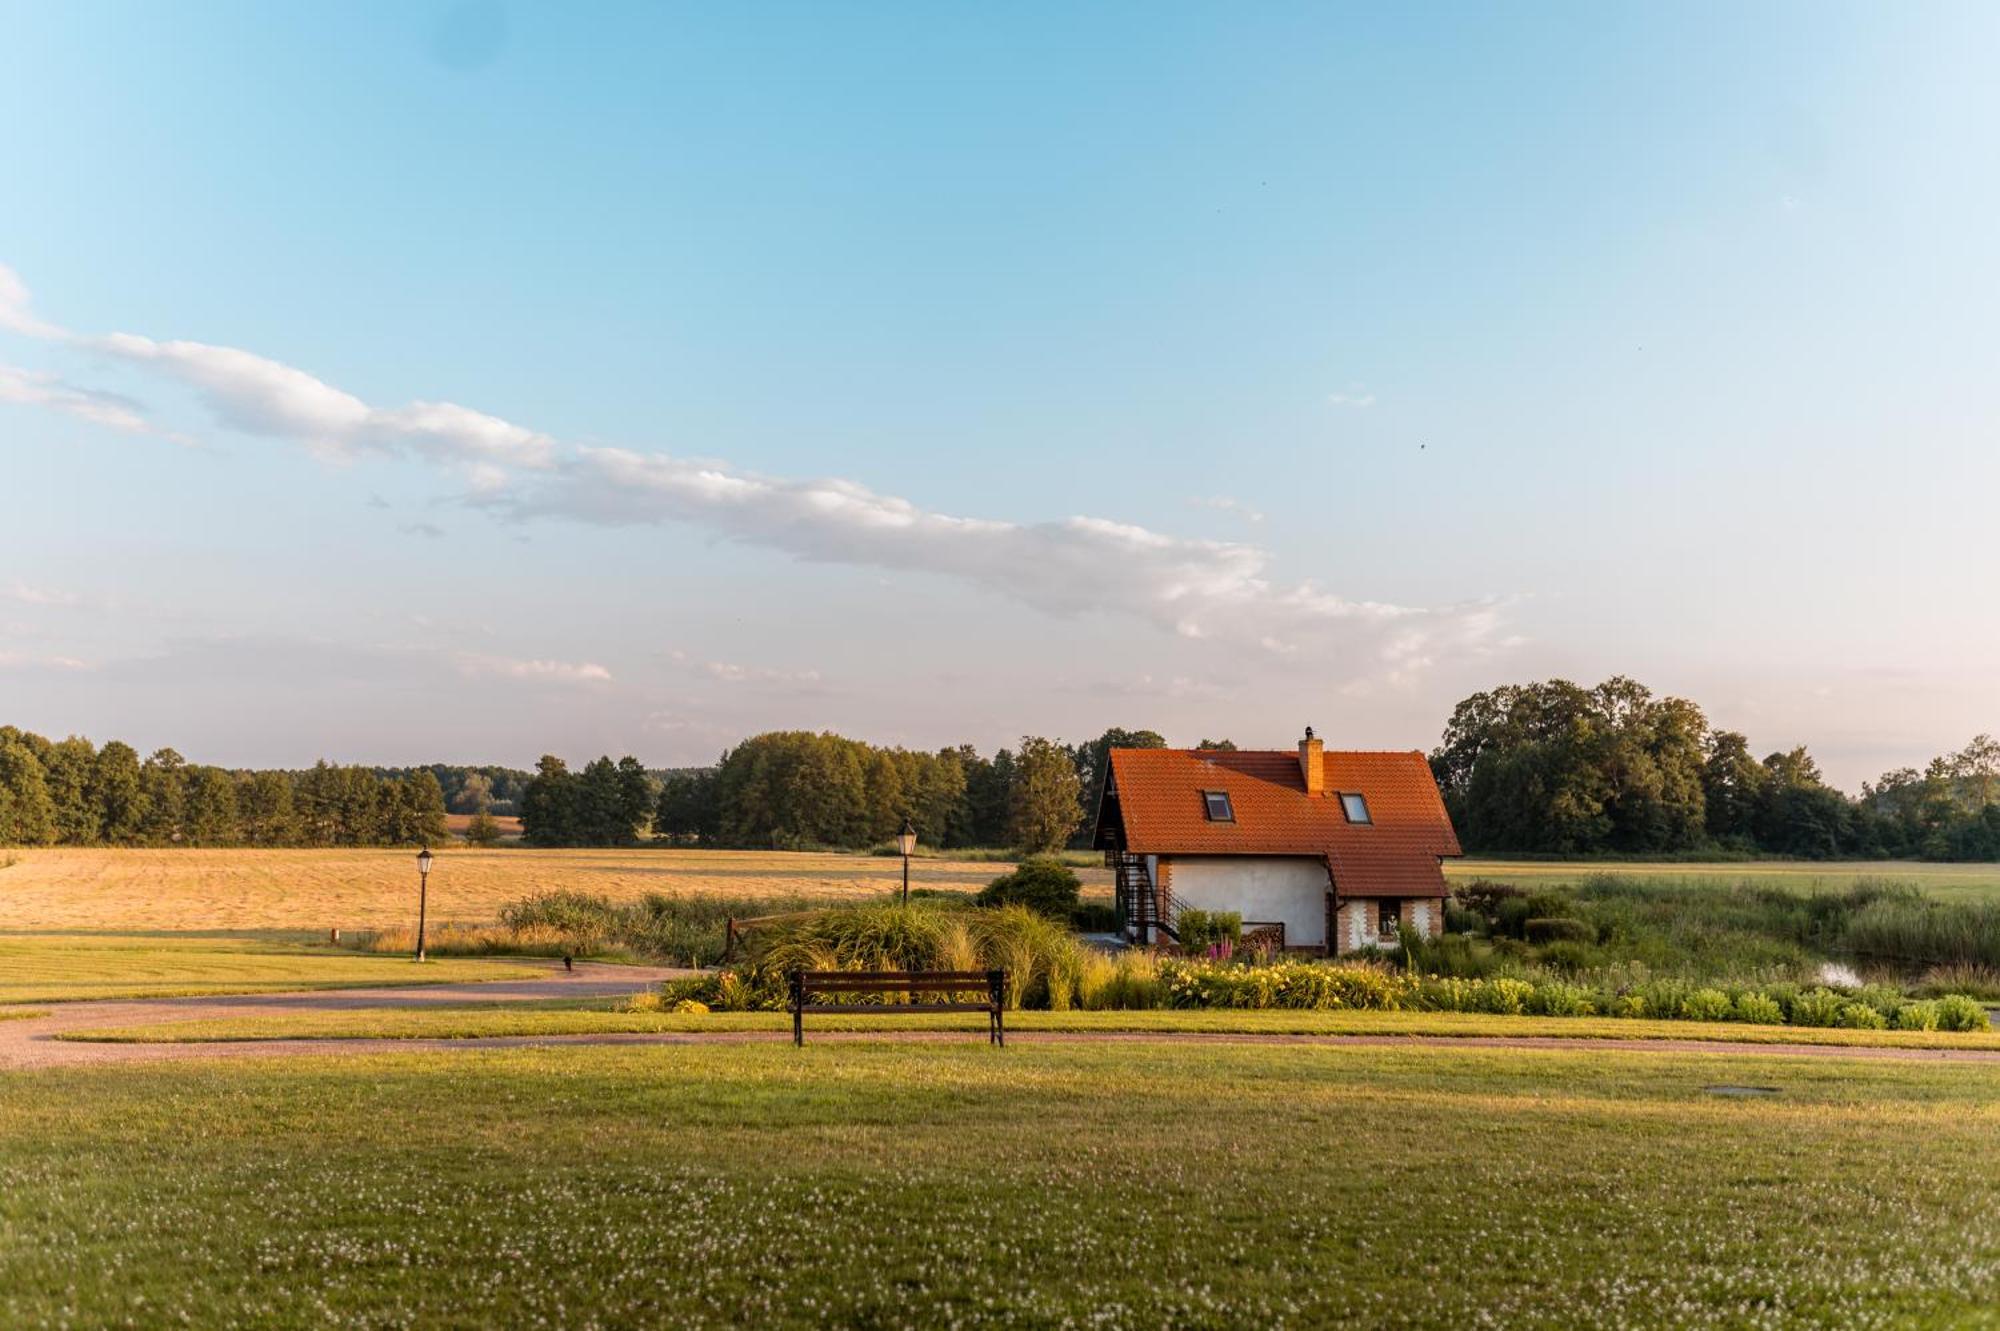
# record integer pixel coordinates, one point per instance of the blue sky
(397, 382)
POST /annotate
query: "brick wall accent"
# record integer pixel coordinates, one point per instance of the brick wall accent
(1424, 915)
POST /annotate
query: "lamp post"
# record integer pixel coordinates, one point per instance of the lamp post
(906, 841)
(424, 858)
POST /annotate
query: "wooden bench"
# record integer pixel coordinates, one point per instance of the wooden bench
(936, 987)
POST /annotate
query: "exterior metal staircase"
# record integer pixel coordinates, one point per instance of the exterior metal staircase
(1144, 911)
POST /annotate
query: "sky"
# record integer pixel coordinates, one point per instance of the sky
(412, 382)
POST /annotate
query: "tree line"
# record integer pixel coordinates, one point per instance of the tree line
(1559, 768)
(70, 792)
(1551, 767)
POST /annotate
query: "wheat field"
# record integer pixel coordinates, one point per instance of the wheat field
(370, 888)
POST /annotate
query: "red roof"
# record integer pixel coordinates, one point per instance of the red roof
(1155, 798)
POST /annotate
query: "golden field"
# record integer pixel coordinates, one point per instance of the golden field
(371, 888)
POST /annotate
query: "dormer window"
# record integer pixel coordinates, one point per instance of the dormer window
(1355, 807)
(1216, 802)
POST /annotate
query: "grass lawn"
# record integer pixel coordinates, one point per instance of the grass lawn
(48, 968)
(191, 888)
(465, 1021)
(880, 1185)
(1962, 882)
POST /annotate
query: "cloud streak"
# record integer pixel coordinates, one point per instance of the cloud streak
(555, 672)
(1078, 565)
(1197, 589)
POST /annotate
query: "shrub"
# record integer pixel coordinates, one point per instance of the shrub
(1042, 883)
(1504, 996)
(1627, 1005)
(690, 1006)
(1558, 929)
(483, 830)
(1706, 1005)
(1570, 958)
(1956, 1012)
(1554, 998)
(1921, 1015)
(1203, 930)
(1861, 1017)
(1757, 1009)
(1816, 1007)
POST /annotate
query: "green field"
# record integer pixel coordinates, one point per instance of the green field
(1961, 882)
(930, 1185)
(50, 968)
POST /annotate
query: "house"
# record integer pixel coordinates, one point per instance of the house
(1318, 851)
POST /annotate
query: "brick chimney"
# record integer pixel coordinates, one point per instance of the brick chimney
(1312, 763)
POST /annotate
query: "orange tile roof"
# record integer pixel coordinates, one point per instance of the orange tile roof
(1159, 809)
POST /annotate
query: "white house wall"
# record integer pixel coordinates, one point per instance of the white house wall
(1262, 888)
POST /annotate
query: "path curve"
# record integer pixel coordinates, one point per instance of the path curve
(31, 1042)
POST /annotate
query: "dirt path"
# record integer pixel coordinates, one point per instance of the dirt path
(31, 1043)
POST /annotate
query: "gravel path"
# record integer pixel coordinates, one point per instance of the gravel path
(31, 1042)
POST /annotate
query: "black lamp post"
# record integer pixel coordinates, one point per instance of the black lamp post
(424, 858)
(906, 841)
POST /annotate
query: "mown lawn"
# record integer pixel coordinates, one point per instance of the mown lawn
(49, 968)
(600, 1017)
(1135, 1185)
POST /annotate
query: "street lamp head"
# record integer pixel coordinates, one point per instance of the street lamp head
(424, 858)
(906, 840)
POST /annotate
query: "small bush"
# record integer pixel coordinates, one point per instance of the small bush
(1706, 1005)
(1956, 1012)
(1860, 1017)
(1203, 930)
(1042, 883)
(1558, 929)
(1757, 1009)
(1554, 998)
(1816, 1007)
(1921, 1015)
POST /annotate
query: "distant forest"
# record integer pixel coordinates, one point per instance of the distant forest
(1549, 768)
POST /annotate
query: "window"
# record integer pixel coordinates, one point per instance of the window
(1217, 804)
(1356, 808)
(1387, 917)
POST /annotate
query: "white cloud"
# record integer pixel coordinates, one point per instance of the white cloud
(1225, 504)
(26, 595)
(16, 312)
(36, 388)
(1195, 588)
(1355, 396)
(560, 672)
(1198, 589)
(268, 398)
(265, 397)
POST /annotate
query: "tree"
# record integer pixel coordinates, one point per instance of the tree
(164, 779)
(686, 810)
(68, 767)
(1218, 745)
(483, 830)
(264, 809)
(117, 790)
(1732, 782)
(475, 794)
(210, 808)
(1046, 806)
(549, 805)
(27, 815)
